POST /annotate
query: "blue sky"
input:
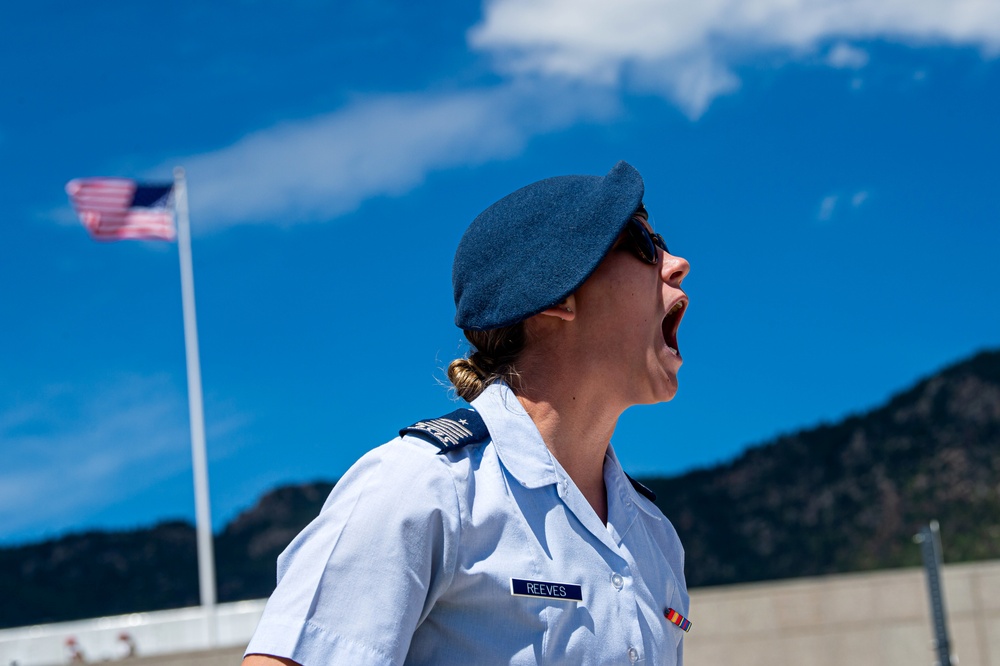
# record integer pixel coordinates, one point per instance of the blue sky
(828, 168)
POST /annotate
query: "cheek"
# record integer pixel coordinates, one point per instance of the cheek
(635, 297)
(627, 314)
(623, 294)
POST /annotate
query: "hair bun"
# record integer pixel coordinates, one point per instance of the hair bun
(494, 353)
(467, 379)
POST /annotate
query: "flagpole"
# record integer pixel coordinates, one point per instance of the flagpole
(203, 515)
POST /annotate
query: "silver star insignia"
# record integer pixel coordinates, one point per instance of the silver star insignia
(463, 422)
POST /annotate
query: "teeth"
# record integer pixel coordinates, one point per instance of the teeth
(672, 349)
(678, 306)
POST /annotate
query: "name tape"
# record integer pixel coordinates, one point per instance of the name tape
(541, 589)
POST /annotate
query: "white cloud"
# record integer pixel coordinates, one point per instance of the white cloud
(385, 145)
(68, 453)
(688, 50)
(826, 207)
(845, 56)
(564, 61)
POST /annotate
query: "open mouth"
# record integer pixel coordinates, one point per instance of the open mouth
(671, 322)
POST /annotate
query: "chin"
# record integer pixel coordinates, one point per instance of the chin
(666, 393)
(658, 394)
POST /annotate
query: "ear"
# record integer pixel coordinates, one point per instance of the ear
(565, 310)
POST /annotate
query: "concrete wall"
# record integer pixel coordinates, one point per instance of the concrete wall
(175, 634)
(880, 618)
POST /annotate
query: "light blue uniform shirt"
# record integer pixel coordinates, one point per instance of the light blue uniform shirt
(411, 561)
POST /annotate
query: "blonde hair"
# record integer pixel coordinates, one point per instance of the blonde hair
(494, 353)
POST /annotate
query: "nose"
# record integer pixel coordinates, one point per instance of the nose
(673, 269)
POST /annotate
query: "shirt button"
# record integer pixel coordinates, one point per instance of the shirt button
(617, 581)
(633, 655)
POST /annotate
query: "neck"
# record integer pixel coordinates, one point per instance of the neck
(571, 411)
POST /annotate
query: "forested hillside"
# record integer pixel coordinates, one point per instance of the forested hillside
(838, 498)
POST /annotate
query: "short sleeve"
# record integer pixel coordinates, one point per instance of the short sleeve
(358, 580)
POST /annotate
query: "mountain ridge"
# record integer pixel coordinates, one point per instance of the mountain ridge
(837, 497)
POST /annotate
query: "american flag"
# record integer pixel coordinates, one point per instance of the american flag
(117, 208)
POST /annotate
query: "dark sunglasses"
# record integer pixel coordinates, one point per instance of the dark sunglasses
(642, 243)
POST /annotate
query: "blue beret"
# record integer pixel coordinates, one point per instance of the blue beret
(536, 246)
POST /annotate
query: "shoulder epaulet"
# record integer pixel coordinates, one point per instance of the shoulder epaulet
(451, 431)
(641, 489)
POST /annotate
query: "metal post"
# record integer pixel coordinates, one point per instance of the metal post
(203, 515)
(929, 539)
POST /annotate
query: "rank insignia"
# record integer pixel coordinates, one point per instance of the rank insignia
(451, 431)
(678, 619)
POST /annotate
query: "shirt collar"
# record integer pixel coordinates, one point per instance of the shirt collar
(517, 441)
(618, 480)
